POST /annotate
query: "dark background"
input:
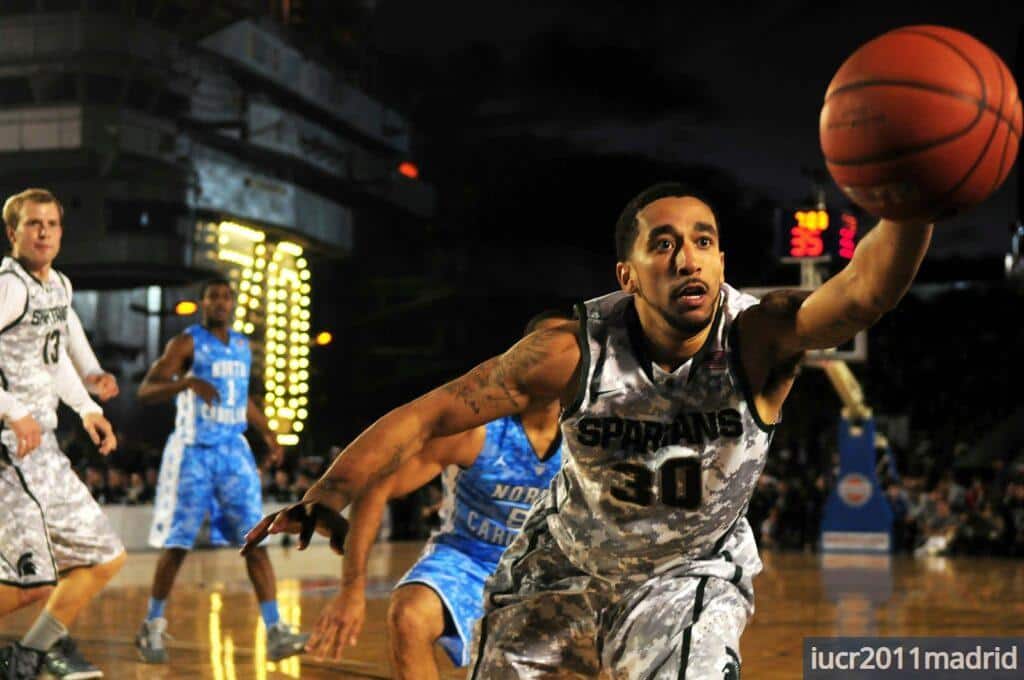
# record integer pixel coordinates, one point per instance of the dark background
(537, 122)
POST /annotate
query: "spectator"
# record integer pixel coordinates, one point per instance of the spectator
(899, 501)
(151, 476)
(137, 492)
(302, 483)
(939, 529)
(116, 487)
(96, 482)
(1013, 513)
(281, 490)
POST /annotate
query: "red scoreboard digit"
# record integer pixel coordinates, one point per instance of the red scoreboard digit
(810, 234)
(805, 234)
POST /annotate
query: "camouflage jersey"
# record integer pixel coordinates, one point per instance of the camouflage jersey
(30, 345)
(659, 467)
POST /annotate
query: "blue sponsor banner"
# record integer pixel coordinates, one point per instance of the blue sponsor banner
(857, 516)
(917, 658)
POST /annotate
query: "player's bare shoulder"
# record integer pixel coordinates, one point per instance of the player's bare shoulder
(774, 315)
(545, 362)
(762, 330)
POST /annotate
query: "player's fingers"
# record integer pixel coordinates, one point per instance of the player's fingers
(352, 635)
(306, 533)
(90, 428)
(258, 533)
(328, 646)
(109, 442)
(319, 643)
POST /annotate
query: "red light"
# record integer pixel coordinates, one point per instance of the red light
(805, 236)
(847, 236)
(805, 243)
(408, 169)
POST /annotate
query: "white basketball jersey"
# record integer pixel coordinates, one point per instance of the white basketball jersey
(30, 346)
(659, 467)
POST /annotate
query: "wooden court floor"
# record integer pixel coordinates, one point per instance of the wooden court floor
(217, 633)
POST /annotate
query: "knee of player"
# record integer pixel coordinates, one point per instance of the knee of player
(406, 618)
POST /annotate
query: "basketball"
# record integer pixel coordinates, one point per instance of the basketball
(921, 122)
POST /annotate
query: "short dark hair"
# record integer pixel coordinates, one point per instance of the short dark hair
(215, 281)
(627, 228)
(536, 319)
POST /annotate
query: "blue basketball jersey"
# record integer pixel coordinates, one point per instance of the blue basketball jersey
(226, 367)
(486, 504)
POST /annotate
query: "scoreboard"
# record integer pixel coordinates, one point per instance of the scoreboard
(815, 232)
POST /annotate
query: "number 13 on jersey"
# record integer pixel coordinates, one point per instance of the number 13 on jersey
(676, 482)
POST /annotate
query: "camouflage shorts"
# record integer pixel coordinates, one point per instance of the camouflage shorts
(546, 619)
(49, 523)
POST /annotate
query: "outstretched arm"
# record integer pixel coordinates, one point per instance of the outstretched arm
(774, 333)
(539, 368)
(871, 284)
(342, 619)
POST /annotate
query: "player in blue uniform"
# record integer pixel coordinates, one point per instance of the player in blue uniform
(207, 467)
(492, 475)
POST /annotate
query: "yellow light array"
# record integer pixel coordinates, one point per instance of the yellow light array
(230, 229)
(273, 284)
(287, 335)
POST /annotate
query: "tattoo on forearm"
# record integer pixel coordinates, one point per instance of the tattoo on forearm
(391, 466)
(333, 484)
(492, 381)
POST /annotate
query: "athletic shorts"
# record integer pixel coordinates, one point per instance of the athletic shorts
(458, 579)
(49, 522)
(547, 619)
(220, 482)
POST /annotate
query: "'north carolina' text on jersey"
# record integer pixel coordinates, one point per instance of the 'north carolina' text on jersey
(659, 466)
(226, 367)
(486, 504)
(30, 346)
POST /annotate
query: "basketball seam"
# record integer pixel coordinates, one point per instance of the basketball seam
(890, 155)
(984, 149)
(938, 89)
(1006, 143)
(982, 105)
(967, 59)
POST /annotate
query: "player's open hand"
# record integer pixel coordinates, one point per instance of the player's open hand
(102, 385)
(302, 518)
(27, 431)
(100, 432)
(207, 392)
(340, 623)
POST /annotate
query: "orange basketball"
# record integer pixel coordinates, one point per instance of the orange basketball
(922, 121)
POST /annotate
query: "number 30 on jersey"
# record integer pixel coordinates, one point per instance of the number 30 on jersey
(676, 483)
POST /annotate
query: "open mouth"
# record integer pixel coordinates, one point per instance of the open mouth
(691, 293)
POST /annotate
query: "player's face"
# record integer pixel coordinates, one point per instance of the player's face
(218, 305)
(36, 241)
(676, 267)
